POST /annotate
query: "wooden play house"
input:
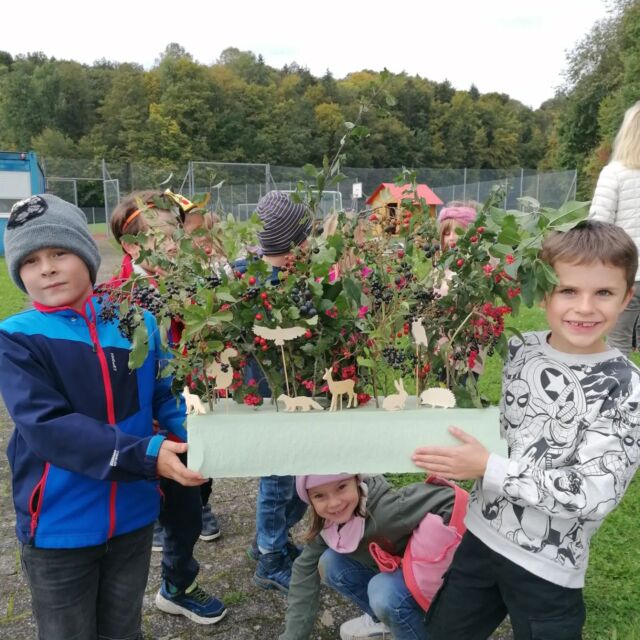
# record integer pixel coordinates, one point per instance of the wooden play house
(386, 204)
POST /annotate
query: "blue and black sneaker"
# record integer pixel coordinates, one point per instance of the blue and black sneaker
(293, 549)
(273, 571)
(193, 603)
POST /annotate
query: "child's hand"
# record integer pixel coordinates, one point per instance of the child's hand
(464, 462)
(170, 466)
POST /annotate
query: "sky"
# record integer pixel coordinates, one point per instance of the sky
(516, 47)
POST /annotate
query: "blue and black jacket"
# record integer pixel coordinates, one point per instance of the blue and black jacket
(83, 453)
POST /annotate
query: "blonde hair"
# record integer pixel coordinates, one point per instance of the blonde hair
(626, 146)
(593, 241)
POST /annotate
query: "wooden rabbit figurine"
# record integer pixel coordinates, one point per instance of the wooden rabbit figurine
(396, 401)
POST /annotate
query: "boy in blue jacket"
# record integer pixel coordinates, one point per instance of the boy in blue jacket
(83, 454)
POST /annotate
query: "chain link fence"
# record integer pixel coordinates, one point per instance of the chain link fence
(97, 185)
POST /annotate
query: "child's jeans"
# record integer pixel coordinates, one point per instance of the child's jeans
(278, 509)
(90, 592)
(482, 586)
(384, 596)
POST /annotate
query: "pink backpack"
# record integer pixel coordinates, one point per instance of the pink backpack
(430, 549)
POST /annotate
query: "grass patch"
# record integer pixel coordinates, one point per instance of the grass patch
(612, 590)
(12, 299)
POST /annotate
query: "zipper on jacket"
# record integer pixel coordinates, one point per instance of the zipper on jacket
(108, 392)
(35, 502)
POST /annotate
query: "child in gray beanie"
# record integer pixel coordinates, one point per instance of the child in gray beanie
(47, 221)
(84, 457)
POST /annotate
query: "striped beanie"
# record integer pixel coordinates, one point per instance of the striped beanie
(286, 224)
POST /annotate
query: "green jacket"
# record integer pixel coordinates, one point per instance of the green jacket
(392, 515)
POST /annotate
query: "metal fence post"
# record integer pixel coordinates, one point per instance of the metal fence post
(464, 185)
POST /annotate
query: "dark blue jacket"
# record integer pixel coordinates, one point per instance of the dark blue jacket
(83, 453)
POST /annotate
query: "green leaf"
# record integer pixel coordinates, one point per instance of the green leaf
(293, 313)
(313, 321)
(225, 296)
(139, 346)
(219, 317)
(365, 362)
(352, 289)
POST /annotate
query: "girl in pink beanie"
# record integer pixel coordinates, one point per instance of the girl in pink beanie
(453, 219)
(348, 513)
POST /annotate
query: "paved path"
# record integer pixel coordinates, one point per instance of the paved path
(254, 614)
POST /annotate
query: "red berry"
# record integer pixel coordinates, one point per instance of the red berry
(474, 238)
(252, 280)
(258, 316)
(480, 229)
(373, 217)
(399, 334)
(264, 347)
(401, 254)
(307, 334)
(452, 245)
(263, 295)
(193, 386)
(459, 262)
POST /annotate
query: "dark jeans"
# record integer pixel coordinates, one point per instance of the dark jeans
(181, 517)
(92, 592)
(482, 586)
(206, 490)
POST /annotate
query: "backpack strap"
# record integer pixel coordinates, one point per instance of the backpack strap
(460, 503)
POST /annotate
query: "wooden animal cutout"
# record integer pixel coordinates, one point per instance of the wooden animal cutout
(303, 403)
(395, 401)
(438, 397)
(338, 388)
(418, 333)
(222, 371)
(279, 334)
(193, 402)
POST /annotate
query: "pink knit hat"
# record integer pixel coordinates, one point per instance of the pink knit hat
(304, 483)
(464, 215)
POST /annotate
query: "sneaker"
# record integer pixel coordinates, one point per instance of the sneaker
(194, 603)
(273, 571)
(293, 549)
(158, 537)
(210, 530)
(364, 628)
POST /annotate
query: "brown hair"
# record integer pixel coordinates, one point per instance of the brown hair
(592, 241)
(128, 206)
(316, 523)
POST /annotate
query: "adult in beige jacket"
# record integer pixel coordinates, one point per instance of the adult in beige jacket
(617, 200)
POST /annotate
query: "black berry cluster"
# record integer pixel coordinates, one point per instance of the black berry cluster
(303, 299)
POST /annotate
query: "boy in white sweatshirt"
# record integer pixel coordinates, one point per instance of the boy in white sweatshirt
(570, 412)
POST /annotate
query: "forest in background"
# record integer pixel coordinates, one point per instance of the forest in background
(240, 109)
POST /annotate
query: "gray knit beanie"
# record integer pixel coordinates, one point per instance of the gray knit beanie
(285, 223)
(47, 221)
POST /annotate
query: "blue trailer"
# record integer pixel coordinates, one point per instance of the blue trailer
(20, 177)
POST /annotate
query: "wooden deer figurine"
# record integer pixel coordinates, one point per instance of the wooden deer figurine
(339, 387)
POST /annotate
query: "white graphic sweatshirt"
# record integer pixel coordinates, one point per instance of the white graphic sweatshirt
(572, 425)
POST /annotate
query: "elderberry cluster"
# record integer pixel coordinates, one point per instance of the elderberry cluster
(303, 298)
(423, 299)
(127, 323)
(394, 357)
(380, 293)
